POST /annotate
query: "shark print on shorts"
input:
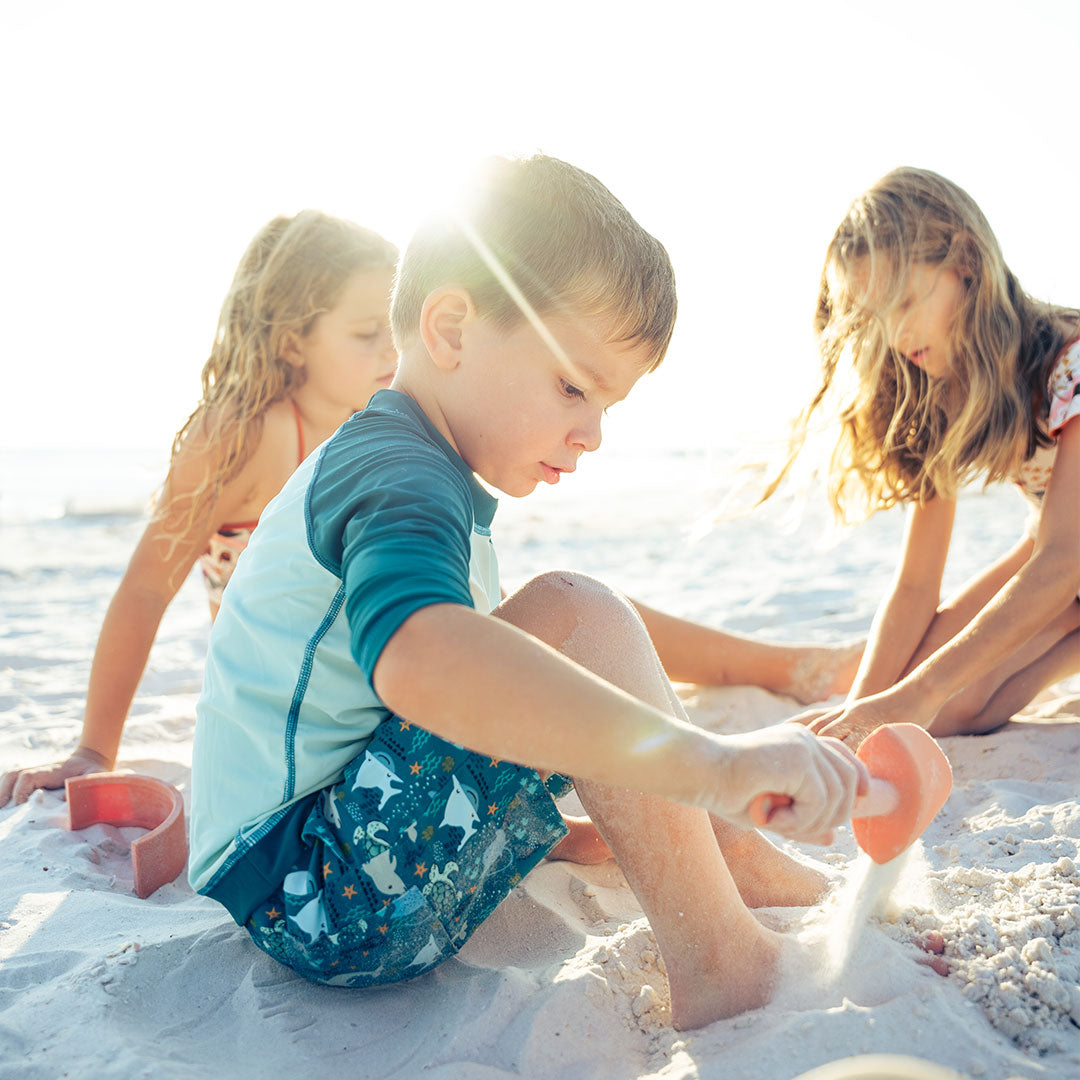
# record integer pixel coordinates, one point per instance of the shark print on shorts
(407, 854)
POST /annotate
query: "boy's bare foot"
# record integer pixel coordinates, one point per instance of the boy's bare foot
(744, 980)
(582, 844)
(823, 671)
(764, 875)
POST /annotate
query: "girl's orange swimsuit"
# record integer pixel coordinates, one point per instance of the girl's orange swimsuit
(225, 545)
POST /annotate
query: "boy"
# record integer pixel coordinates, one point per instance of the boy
(335, 812)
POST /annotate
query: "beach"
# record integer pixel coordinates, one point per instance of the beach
(565, 979)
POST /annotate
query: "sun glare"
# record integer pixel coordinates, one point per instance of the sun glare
(138, 187)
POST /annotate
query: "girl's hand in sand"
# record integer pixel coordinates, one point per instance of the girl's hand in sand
(853, 723)
(20, 784)
(820, 777)
(812, 716)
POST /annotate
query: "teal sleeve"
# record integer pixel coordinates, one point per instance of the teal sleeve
(392, 516)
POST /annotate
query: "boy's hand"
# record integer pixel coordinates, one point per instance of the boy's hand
(20, 784)
(820, 776)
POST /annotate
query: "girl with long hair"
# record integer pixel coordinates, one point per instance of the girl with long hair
(940, 370)
(302, 342)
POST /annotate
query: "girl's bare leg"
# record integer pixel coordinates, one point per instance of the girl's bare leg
(720, 960)
(1025, 673)
(693, 653)
(1059, 662)
(990, 702)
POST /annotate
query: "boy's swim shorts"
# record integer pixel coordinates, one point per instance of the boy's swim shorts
(408, 854)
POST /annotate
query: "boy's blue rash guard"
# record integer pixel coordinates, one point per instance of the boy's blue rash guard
(384, 520)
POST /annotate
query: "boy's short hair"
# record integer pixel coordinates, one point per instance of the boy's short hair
(564, 240)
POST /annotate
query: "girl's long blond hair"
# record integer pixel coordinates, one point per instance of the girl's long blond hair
(905, 436)
(292, 271)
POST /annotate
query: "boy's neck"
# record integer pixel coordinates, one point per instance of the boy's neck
(414, 381)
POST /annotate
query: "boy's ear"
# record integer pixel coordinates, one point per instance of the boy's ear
(442, 317)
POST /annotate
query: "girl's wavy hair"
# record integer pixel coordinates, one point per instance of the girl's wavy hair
(292, 271)
(905, 436)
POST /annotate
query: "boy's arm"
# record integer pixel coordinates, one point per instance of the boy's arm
(480, 682)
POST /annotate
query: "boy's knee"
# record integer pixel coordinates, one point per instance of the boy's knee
(594, 626)
(562, 605)
(577, 591)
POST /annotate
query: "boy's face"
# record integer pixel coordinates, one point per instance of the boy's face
(520, 414)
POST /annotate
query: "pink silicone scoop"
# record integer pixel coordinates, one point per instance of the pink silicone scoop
(910, 779)
(128, 799)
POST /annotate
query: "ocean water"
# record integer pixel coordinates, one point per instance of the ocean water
(640, 521)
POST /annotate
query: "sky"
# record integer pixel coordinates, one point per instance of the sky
(144, 144)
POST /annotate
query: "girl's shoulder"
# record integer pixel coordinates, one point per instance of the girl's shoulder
(271, 448)
(242, 462)
(1064, 387)
(221, 425)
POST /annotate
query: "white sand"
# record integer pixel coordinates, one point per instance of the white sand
(565, 979)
